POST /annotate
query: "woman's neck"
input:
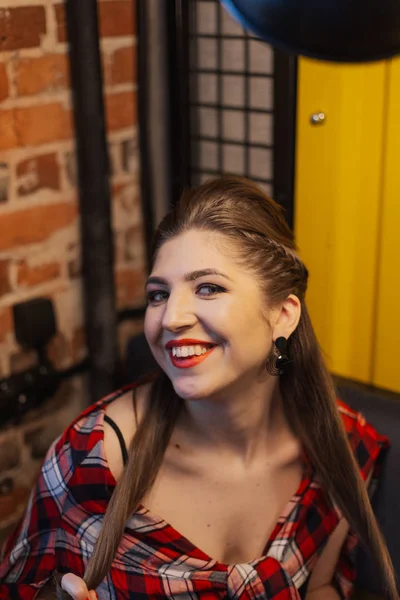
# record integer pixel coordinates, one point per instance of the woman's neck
(240, 426)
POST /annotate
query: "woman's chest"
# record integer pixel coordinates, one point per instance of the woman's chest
(230, 519)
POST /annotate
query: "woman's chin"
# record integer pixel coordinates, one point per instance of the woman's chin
(189, 395)
(188, 392)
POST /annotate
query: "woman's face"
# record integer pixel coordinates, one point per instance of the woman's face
(221, 309)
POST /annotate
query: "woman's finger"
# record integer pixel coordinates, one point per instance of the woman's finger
(76, 587)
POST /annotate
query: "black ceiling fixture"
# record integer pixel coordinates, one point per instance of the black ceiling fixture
(334, 30)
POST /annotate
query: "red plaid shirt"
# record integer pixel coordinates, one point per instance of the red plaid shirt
(65, 512)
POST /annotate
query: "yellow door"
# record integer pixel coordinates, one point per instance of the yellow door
(337, 198)
(386, 346)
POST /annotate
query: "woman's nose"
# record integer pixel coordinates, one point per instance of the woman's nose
(178, 312)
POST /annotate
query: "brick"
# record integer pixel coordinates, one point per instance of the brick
(8, 137)
(122, 66)
(117, 18)
(35, 224)
(21, 27)
(114, 158)
(37, 173)
(129, 202)
(30, 276)
(119, 247)
(134, 246)
(3, 82)
(6, 322)
(59, 11)
(37, 125)
(4, 182)
(130, 286)
(4, 277)
(71, 168)
(47, 73)
(121, 110)
(129, 154)
(34, 125)
(118, 187)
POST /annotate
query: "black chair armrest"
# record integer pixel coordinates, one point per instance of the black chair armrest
(382, 410)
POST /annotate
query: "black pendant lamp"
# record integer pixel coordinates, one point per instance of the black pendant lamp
(334, 30)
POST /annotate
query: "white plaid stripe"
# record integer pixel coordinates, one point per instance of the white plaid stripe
(243, 576)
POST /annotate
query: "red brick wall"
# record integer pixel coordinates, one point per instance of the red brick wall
(39, 213)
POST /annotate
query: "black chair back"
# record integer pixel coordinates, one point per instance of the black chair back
(382, 410)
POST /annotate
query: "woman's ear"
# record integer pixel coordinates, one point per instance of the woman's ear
(286, 317)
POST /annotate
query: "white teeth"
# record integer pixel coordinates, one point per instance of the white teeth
(183, 351)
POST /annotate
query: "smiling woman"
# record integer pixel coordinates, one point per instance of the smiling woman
(235, 320)
(232, 471)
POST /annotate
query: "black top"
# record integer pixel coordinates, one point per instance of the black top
(112, 423)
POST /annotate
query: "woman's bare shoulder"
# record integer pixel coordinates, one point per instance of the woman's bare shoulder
(122, 412)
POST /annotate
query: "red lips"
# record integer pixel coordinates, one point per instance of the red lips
(187, 342)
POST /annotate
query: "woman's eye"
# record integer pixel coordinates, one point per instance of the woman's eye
(214, 288)
(157, 295)
(152, 296)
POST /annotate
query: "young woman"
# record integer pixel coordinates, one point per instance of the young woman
(245, 477)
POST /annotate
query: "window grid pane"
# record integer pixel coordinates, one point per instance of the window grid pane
(231, 98)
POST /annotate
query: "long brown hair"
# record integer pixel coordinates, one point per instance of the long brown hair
(263, 244)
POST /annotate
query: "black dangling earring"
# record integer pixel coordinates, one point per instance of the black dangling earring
(278, 358)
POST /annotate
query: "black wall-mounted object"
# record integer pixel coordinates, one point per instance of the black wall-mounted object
(35, 325)
(334, 30)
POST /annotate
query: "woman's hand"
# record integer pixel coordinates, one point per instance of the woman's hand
(76, 588)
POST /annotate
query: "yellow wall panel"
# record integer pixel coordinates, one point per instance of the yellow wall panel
(386, 361)
(337, 191)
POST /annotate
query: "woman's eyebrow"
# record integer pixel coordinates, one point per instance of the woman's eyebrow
(192, 276)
